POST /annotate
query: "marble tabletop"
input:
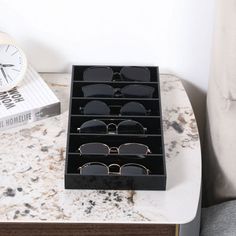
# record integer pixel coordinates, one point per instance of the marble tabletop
(32, 159)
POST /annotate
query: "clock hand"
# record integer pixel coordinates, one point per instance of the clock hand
(7, 65)
(4, 74)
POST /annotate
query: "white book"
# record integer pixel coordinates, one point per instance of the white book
(31, 101)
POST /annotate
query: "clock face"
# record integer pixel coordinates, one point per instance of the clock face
(12, 66)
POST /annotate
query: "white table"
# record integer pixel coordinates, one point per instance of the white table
(32, 159)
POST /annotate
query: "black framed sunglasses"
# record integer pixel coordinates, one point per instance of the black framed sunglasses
(128, 91)
(123, 127)
(97, 107)
(123, 149)
(127, 73)
(99, 168)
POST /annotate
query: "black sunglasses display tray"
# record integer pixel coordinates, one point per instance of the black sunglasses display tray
(115, 130)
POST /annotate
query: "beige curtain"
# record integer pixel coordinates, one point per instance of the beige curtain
(219, 163)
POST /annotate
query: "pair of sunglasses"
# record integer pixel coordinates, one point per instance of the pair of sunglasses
(123, 127)
(101, 108)
(128, 73)
(123, 149)
(99, 168)
(128, 91)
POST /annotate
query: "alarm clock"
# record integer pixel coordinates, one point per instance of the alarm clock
(13, 63)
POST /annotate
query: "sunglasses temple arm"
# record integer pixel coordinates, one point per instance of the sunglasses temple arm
(148, 151)
(79, 169)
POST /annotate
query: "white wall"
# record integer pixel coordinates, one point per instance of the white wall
(174, 34)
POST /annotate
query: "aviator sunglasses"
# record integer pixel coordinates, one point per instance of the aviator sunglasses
(123, 149)
(99, 168)
(128, 91)
(97, 107)
(127, 73)
(123, 127)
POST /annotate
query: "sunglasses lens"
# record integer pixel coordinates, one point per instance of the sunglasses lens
(133, 149)
(93, 126)
(98, 90)
(137, 91)
(96, 108)
(93, 169)
(94, 148)
(133, 108)
(130, 127)
(98, 74)
(133, 170)
(136, 74)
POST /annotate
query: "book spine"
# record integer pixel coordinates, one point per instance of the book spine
(30, 116)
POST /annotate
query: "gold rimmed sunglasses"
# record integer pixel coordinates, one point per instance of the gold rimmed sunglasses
(99, 168)
(123, 127)
(104, 149)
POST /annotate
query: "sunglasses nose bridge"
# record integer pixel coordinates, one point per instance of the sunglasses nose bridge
(112, 128)
(114, 169)
(114, 150)
(116, 76)
(117, 92)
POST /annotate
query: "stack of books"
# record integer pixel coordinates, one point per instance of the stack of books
(31, 101)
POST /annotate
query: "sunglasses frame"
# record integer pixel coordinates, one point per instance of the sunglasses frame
(119, 73)
(148, 111)
(115, 125)
(114, 150)
(112, 165)
(117, 92)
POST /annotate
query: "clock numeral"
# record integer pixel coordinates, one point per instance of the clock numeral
(14, 53)
(15, 69)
